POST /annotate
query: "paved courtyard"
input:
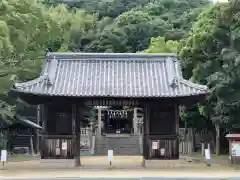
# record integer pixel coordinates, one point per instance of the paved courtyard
(118, 173)
(101, 162)
(123, 166)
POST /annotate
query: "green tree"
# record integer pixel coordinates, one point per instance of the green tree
(160, 45)
(28, 30)
(210, 54)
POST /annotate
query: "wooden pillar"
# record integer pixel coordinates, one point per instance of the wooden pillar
(31, 144)
(135, 121)
(99, 119)
(44, 111)
(44, 118)
(177, 118)
(76, 131)
(37, 131)
(177, 125)
(146, 120)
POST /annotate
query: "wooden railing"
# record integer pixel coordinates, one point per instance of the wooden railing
(140, 127)
(62, 146)
(57, 147)
(165, 147)
(86, 137)
(85, 131)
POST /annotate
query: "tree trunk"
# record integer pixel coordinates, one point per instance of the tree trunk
(193, 140)
(213, 140)
(31, 144)
(217, 139)
(185, 131)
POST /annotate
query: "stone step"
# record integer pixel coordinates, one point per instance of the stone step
(126, 145)
(117, 145)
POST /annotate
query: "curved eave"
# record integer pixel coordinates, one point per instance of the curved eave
(36, 88)
(32, 82)
(194, 85)
(201, 88)
(27, 122)
(19, 92)
(17, 87)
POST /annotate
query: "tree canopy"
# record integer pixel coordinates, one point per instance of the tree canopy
(205, 36)
(210, 55)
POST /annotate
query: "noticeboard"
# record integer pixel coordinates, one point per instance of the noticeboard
(3, 155)
(207, 154)
(162, 151)
(64, 146)
(155, 145)
(110, 155)
(235, 149)
(58, 151)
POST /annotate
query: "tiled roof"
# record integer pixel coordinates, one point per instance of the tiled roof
(111, 75)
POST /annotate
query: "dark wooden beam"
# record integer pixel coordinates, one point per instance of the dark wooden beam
(176, 106)
(76, 131)
(111, 102)
(37, 130)
(36, 99)
(146, 120)
(44, 115)
(43, 119)
(177, 127)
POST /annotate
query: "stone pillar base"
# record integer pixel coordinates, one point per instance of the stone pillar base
(57, 163)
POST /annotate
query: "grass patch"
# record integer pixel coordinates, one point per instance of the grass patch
(22, 157)
(214, 156)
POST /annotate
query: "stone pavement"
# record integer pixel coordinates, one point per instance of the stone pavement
(119, 162)
(101, 162)
(123, 166)
(117, 173)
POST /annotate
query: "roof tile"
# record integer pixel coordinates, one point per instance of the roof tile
(111, 74)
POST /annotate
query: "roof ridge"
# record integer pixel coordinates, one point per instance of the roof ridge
(32, 82)
(92, 59)
(107, 54)
(193, 85)
(110, 56)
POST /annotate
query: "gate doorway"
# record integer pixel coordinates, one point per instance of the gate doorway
(73, 81)
(118, 121)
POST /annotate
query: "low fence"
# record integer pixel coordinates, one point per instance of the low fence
(186, 140)
(85, 131)
(86, 138)
(85, 142)
(55, 147)
(185, 147)
(166, 147)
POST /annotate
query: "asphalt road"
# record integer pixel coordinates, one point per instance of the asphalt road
(139, 178)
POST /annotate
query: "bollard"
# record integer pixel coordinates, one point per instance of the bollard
(202, 149)
(209, 147)
(110, 157)
(3, 158)
(208, 156)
